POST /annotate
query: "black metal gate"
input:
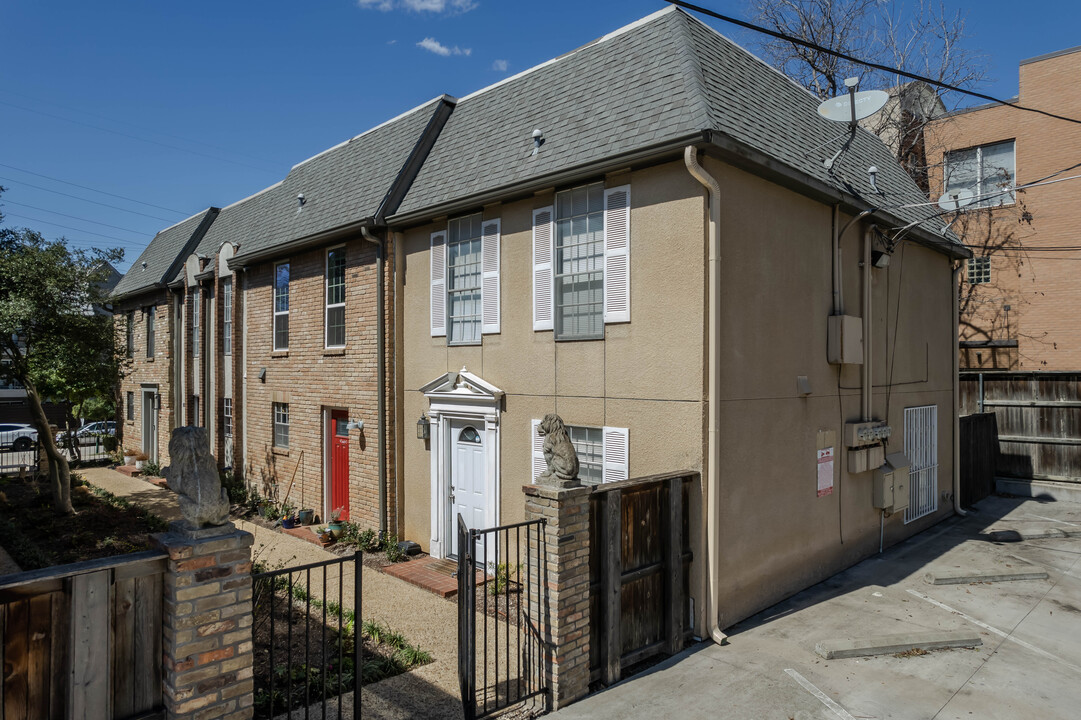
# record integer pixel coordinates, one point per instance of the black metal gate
(501, 651)
(20, 458)
(307, 633)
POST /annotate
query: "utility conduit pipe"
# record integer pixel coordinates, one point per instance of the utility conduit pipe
(713, 462)
(866, 309)
(957, 391)
(380, 371)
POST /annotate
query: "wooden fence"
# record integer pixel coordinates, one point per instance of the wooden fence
(83, 640)
(1039, 421)
(639, 570)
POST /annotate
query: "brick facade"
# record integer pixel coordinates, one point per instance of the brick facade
(1039, 286)
(144, 373)
(313, 380)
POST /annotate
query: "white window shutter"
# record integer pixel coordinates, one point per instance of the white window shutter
(543, 227)
(617, 254)
(616, 454)
(489, 265)
(537, 439)
(439, 283)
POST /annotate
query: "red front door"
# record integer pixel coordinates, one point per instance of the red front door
(338, 438)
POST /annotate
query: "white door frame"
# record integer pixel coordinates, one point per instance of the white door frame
(151, 449)
(461, 396)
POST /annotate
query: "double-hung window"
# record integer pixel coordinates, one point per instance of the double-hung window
(465, 280)
(581, 262)
(196, 317)
(281, 306)
(986, 171)
(281, 425)
(979, 269)
(131, 334)
(151, 312)
(335, 307)
(227, 317)
(227, 417)
(602, 452)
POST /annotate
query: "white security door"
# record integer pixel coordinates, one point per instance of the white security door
(467, 478)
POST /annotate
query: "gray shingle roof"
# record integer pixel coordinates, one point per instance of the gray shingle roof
(343, 185)
(168, 246)
(664, 78)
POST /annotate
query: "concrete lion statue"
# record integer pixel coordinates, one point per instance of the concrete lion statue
(558, 451)
(193, 475)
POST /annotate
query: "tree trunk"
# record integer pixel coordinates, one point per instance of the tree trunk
(59, 471)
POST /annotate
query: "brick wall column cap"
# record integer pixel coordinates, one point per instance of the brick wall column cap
(180, 535)
(549, 492)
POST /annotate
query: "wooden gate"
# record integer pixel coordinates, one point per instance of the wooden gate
(83, 640)
(639, 569)
(979, 453)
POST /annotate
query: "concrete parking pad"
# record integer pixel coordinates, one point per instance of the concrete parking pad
(1027, 667)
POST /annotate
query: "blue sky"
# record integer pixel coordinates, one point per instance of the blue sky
(185, 105)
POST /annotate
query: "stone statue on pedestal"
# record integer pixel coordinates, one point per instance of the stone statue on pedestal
(559, 453)
(193, 475)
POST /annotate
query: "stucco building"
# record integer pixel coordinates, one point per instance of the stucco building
(1020, 293)
(638, 236)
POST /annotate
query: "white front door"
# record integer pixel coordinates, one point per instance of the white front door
(150, 425)
(467, 477)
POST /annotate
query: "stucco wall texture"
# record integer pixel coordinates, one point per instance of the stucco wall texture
(1040, 287)
(649, 375)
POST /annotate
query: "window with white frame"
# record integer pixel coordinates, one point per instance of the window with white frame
(227, 317)
(131, 405)
(281, 425)
(131, 334)
(196, 318)
(979, 270)
(227, 417)
(602, 452)
(581, 262)
(281, 306)
(335, 300)
(151, 312)
(986, 171)
(465, 280)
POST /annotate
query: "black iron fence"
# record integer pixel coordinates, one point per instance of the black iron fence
(308, 640)
(501, 652)
(20, 458)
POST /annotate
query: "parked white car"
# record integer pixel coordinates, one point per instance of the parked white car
(17, 436)
(90, 434)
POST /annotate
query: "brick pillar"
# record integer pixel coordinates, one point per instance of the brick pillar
(564, 574)
(207, 623)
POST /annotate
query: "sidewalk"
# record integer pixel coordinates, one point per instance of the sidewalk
(427, 621)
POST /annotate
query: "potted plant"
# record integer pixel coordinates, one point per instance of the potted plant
(306, 516)
(140, 458)
(336, 526)
(129, 456)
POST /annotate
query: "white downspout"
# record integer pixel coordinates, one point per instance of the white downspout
(956, 392)
(713, 473)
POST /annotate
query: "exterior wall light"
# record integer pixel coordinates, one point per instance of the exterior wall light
(354, 425)
(424, 428)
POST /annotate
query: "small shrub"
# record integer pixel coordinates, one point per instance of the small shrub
(502, 577)
(368, 541)
(394, 553)
(151, 468)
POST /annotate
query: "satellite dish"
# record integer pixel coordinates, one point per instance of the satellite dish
(956, 199)
(868, 102)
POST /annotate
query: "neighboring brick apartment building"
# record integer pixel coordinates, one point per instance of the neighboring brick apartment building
(1020, 293)
(146, 311)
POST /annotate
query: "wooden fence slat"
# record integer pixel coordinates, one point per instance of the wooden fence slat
(15, 662)
(38, 647)
(122, 621)
(146, 663)
(612, 587)
(90, 646)
(673, 571)
(59, 652)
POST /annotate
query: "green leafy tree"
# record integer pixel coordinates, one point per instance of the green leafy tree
(55, 337)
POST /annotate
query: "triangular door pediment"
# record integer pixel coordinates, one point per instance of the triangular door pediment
(462, 385)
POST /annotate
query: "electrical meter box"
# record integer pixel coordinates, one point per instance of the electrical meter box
(844, 340)
(890, 486)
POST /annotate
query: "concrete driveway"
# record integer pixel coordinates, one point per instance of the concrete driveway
(1028, 665)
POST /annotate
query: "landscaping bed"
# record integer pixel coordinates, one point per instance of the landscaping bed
(103, 525)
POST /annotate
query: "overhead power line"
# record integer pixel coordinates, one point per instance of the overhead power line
(74, 217)
(85, 187)
(133, 243)
(866, 63)
(86, 200)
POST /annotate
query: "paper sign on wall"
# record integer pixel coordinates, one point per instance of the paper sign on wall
(825, 472)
